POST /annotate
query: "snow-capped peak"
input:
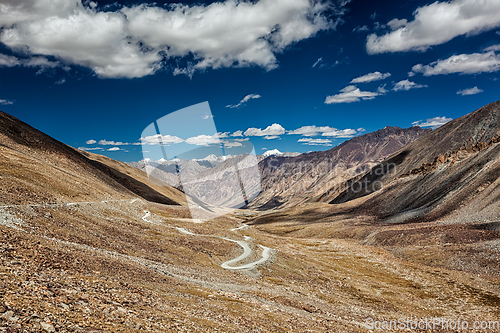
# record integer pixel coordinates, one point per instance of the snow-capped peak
(275, 152)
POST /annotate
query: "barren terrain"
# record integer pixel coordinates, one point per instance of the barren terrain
(88, 244)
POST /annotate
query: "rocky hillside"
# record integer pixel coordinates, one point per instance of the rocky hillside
(452, 171)
(35, 168)
(288, 181)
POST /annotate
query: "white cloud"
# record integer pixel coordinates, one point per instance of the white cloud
(381, 89)
(315, 142)
(271, 137)
(492, 48)
(463, 64)
(470, 91)
(396, 23)
(317, 62)
(89, 149)
(157, 139)
(361, 129)
(203, 140)
(112, 143)
(114, 149)
(273, 130)
(134, 41)
(436, 24)
(61, 81)
(90, 142)
(432, 122)
(6, 102)
(242, 140)
(379, 26)
(8, 61)
(232, 144)
(351, 94)
(311, 130)
(244, 100)
(345, 133)
(360, 28)
(375, 76)
(237, 133)
(35, 62)
(407, 85)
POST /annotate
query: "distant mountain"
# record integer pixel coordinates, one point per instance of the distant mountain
(452, 172)
(288, 181)
(167, 170)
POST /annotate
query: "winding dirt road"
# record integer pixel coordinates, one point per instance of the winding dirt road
(247, 251)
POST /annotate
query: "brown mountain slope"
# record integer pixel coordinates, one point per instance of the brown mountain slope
(35, 168)
(288, 181)
(453, 167)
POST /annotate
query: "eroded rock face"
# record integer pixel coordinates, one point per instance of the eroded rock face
(452, 173)
(288, 181)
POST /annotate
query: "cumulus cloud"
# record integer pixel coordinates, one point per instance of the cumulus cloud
(492, 48)
(407, 85)
(436, 24)
(345, 133)
(271, 137)
(311, 130)
(237, 133)
(432, 122)
(396, 23)
(203, 140)
(43, 64)
(463, 64)
(112, 143)
(270, 131)
(90, 142)
(315, 142)
(5, 102)
(114, 149)
(157, 139)
(375, 76)
(470, 91)
(136, 41)
(244, 100)
(351, 94)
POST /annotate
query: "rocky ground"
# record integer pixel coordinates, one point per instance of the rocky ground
(102, 267)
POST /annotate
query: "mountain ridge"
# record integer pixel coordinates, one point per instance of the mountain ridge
(26, 150)
(308, 176)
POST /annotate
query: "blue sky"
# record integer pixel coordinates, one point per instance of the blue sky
(106, 70)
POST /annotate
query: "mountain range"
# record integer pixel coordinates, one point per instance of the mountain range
(398, 223)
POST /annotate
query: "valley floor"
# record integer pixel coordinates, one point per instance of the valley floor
(128, 265)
